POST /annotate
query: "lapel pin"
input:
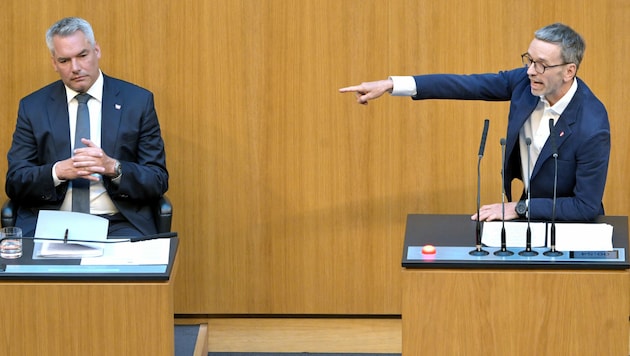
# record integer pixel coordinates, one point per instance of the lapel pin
(561, 133)
(117, 106)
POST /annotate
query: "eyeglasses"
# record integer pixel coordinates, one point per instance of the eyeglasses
(538, 67)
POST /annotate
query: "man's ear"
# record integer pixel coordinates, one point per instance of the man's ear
(571, 72)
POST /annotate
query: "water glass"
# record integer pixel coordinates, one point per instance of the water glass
(10, 242)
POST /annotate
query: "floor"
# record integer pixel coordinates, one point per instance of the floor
(314, 335)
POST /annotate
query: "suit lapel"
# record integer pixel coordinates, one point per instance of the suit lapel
(514, 128)
(562, 131)
(111, 116)
(59, 122)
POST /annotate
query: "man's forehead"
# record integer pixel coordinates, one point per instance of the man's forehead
(70, 46)
(541, 50)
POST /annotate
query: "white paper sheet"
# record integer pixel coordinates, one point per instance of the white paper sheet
(52, 224)
(515, 233)
(583, 237)
(150, 252)
(569, 236)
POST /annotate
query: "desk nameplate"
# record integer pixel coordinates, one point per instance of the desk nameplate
(45, 269)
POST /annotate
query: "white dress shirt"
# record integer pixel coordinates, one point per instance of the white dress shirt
(100, 202)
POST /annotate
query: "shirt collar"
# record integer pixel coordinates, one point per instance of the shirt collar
(95, 91)
(562, 104)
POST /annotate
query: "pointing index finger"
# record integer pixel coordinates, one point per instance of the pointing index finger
(354, 88)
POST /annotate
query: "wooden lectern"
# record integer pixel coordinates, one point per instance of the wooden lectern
(61, 308)
(470, 307)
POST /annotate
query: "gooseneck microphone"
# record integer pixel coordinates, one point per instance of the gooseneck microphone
(528, 236)
(552, 251)
(503, 251)
(161, 235)
(478, 251)
(114, 239)
(484, 135)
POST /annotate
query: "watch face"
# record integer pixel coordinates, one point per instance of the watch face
(521, 208)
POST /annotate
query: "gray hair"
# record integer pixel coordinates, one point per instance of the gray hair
(571, 43)
(68, 26)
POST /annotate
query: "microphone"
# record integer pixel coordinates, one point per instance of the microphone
(484, 135)
(528, 237)
(161, 235)
(478, 251)
(114, 240)
(503, 251)
(554, 149)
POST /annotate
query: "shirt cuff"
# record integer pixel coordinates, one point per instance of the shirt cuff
(403, 86)
(56, 179)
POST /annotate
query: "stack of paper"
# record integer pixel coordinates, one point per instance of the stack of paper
(69, 250)
(151, 252)
(569, 236)
(515, 233)
(53, 224)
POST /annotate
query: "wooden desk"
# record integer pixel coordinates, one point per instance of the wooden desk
(513, 311)
(79, 315)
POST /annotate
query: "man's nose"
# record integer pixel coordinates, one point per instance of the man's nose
(75, 65)
(531, 70)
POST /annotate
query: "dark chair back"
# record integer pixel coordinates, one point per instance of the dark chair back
(163, 214)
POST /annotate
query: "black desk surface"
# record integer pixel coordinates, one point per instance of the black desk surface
(457, 232)
(49, 269)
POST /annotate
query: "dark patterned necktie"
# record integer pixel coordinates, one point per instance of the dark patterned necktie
(80, 186)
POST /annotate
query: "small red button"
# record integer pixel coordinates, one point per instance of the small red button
(428, 250)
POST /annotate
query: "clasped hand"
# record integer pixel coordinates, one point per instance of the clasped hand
(85, 162)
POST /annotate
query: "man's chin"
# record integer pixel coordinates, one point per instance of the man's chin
(80, 85)
(78, 88)
(537, 92)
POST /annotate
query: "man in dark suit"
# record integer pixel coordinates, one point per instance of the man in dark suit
(123, 160)
(546, 89)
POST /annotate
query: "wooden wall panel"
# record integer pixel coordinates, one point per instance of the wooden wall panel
(289, 197)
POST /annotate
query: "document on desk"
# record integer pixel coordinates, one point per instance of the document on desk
(582, 237)
(150, 252)
(569, 236)
(515, 233)
(55, 224)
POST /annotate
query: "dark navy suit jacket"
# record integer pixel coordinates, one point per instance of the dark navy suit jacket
(582, 136)
(130, 132)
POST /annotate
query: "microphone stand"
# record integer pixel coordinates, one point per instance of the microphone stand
(552, 252)
(528, 239)
(503, 251)
(478, 251)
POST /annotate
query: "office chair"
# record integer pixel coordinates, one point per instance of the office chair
(163, 214)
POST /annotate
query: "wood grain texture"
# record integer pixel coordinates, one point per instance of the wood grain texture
(464, 312)
(289, 197)
(67, 319)
(335, 335)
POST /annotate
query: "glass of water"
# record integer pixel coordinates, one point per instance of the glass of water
(11, 242)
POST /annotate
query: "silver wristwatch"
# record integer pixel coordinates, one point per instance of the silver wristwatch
(117, 169)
